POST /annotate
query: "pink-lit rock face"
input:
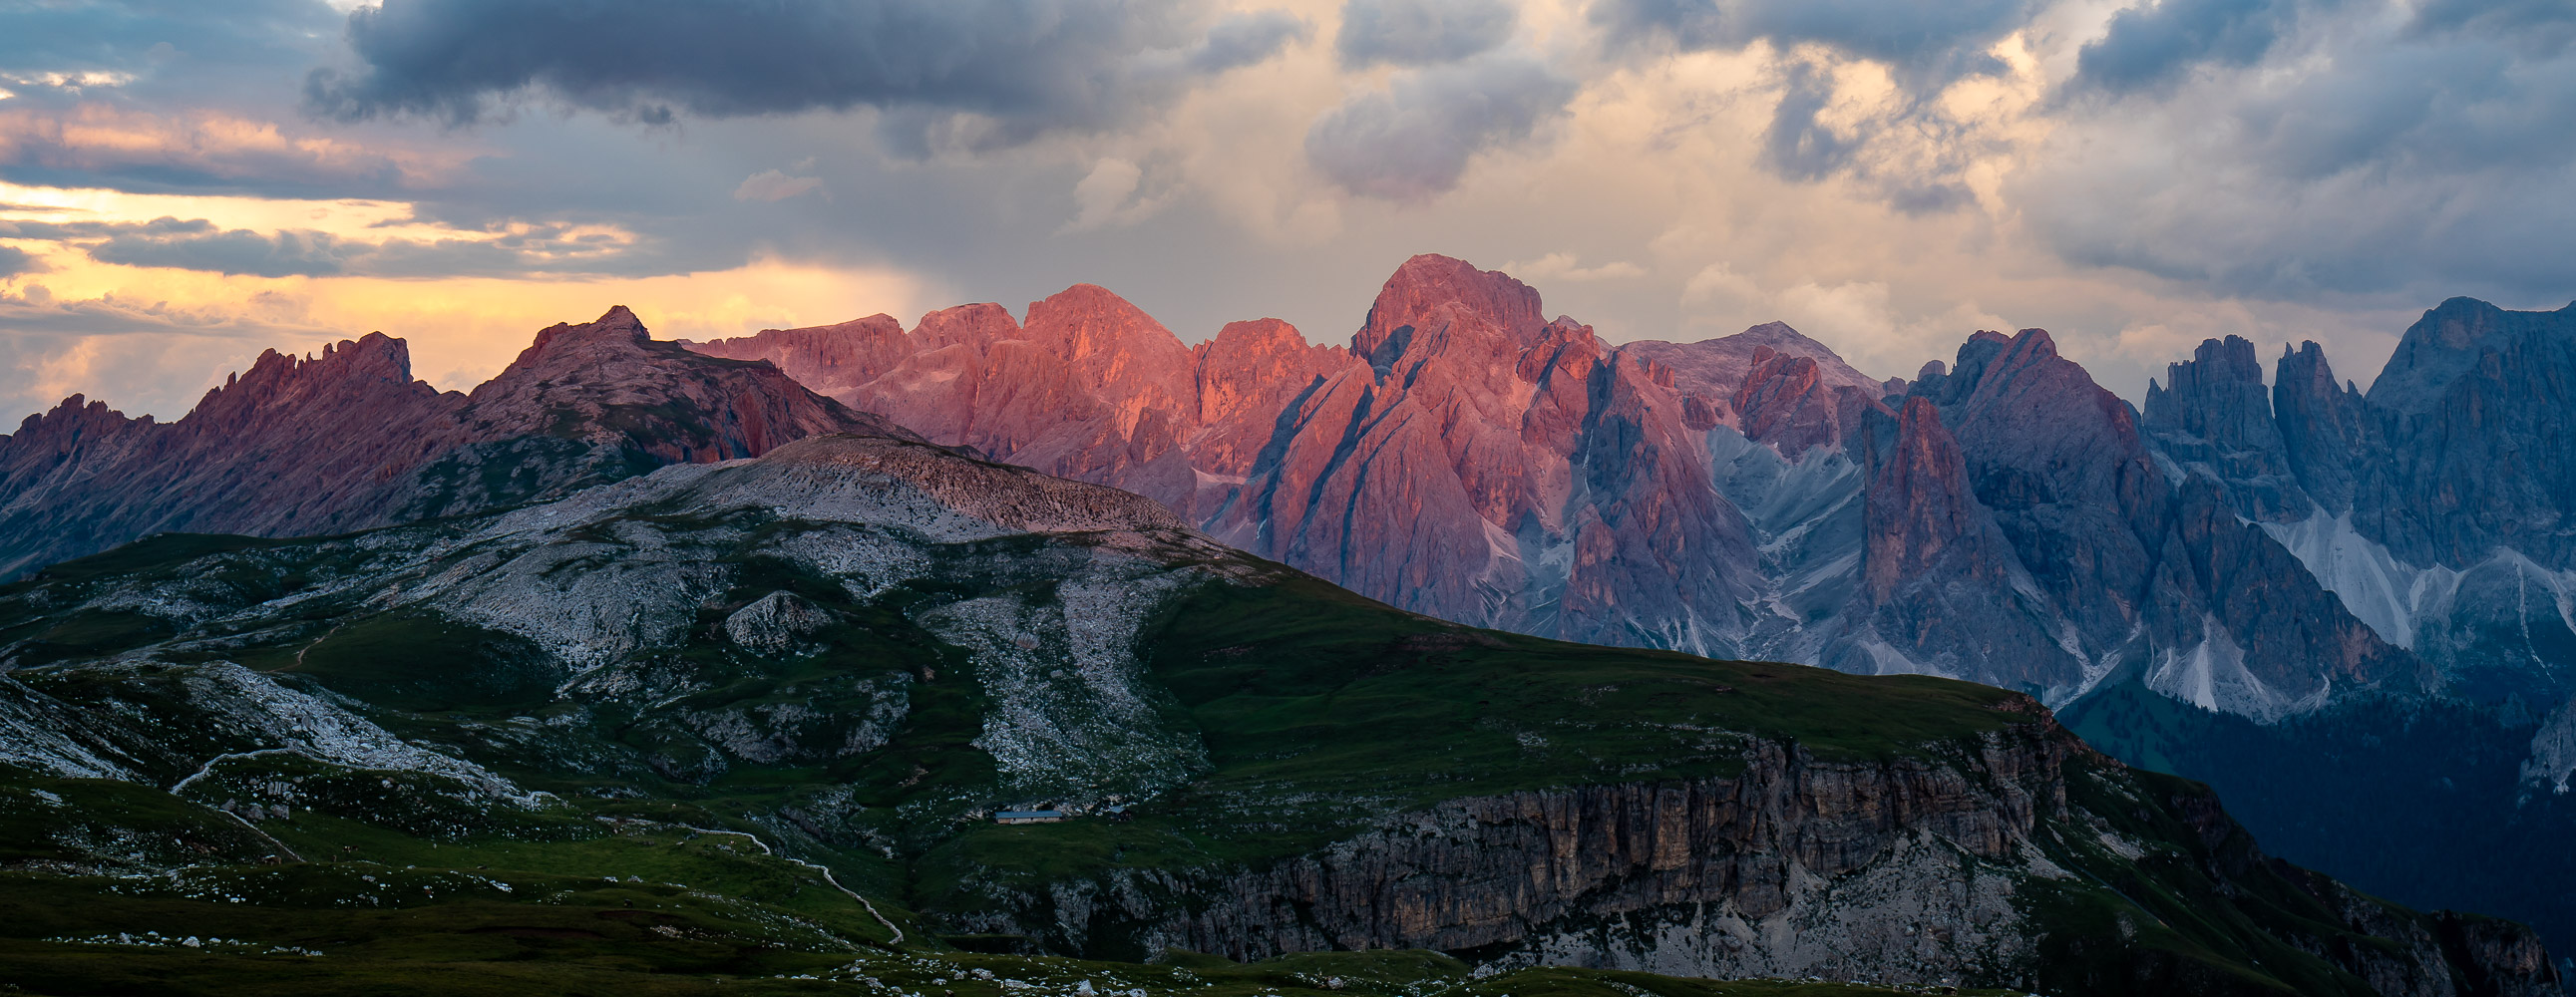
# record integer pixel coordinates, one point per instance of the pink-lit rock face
(281, 447)
(348, 440)
(2000, 518)
(1437, 464)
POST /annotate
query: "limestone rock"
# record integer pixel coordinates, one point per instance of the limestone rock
(776, 623)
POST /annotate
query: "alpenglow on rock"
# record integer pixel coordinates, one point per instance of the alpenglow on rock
(1752, 495)
(349, 440)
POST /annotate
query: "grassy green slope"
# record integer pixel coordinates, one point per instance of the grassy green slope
(1322, 714)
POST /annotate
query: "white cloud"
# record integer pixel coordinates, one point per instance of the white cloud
(1719, 284)
(771, 185)
(1103, 191)
(1564, 266)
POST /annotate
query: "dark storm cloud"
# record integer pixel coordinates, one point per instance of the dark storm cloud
(234, 253)
(15, 261)
(2356, 157)
(1414, 140)
(1247, 38)
(68, 231)
(187, 48)
(1033, 65)
(1925, 45)
(1796, 146)
(1421, 32)
(2153, 45)
(169, 96)
(1927, 42)
(2543, 27)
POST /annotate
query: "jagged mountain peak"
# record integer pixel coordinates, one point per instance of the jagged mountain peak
(618, 325)
(1430, 294)
(1719, 377)
(1261, 334)
(1781, 337)
(1990, 362)
(281, 381)
(2214, 417)
(1088, 320)
(2231, 358)
(981, 322)
(2446, 344)
(74, 408)
(345, 439)
(1987, 353)
(1134, 364)
(374, 353)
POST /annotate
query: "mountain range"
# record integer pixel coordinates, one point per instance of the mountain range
(2298, 553)
(2000, 517)
(693, 572)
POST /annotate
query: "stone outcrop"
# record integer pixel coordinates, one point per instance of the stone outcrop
(2216, 418)
(2320, 424)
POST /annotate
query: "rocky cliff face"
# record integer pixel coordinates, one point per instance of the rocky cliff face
(349, 440)
(1736, 867)
(2216, 421)
(2020, 525)
(2434, 505)
(2433, 509)
(1490, 466)
(1900, 870)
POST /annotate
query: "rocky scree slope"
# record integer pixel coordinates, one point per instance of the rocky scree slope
(858, 647)
(349, 440)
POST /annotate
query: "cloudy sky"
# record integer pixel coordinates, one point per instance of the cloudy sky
(184, 183)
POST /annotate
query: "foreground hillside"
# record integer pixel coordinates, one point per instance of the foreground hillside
(753, 718)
